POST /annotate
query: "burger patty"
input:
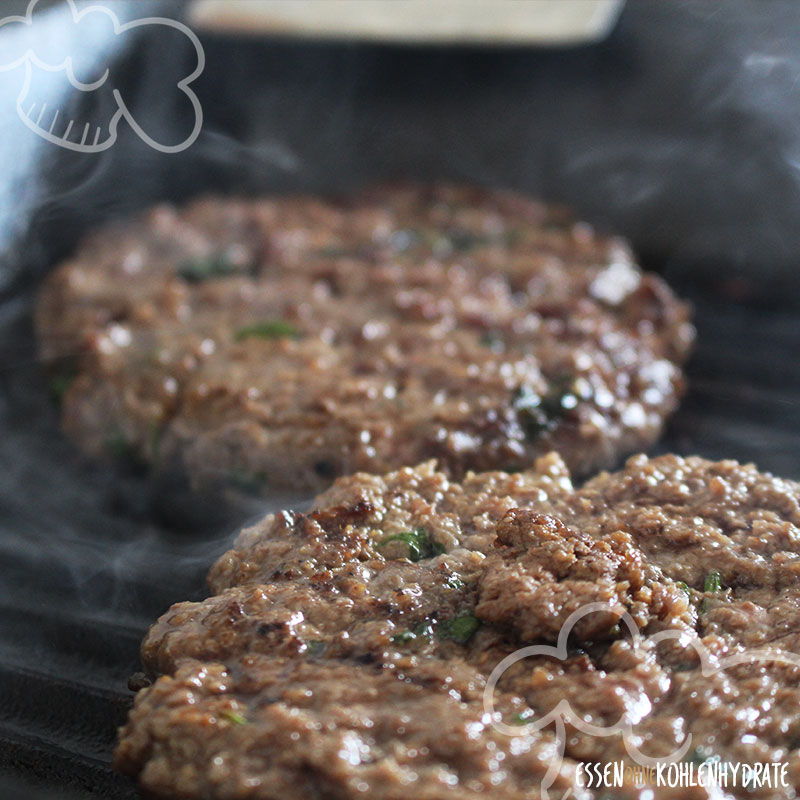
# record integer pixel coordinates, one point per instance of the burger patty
(345, 651)
(282, 342)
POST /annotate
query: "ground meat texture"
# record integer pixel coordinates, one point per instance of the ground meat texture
(286, 341)
(542, 572)
(344, 651)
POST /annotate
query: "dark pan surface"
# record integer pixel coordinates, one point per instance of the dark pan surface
(688, 149)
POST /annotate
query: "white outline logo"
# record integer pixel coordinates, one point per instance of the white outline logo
(34, 120)
(563, 713)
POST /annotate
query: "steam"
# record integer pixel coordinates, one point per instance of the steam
(95, 542)
(108, 540)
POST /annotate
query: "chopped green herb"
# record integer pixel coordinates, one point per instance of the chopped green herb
(461, 628)
(247, 482)
(422, 629)
(713, 582)
(492, 340)
(525, 398)
(523, 717)
(454, 582)
(267, 329)
(419, 544)
(793, 740)
(154, 440)
(335, 252)
(683, 586)
(234, 716)
(712, 585)
(197, 270)
(119, 446)
(463, 240)
(531, 415)
(316, 647)
(564, 394)
(538, 414)
(59, 385)
(699, 755)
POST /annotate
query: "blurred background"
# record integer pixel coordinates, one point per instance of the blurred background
(680, 129)
(676, 124)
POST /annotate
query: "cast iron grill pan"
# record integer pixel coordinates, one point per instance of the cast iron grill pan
(89, 557)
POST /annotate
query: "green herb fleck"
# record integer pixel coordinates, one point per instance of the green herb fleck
(699, 755)
(462, 240)
(154, 440)
(492, 340)
(524, 398)
(234, 716)
(461, 628)
(538, 414)
(120, 447)
(335, 252)
(523, 717)
(454, 582)
(267, 329)
(422, 630)
(197, 270)
(712, 585)
(532, 417)
(247, 482)
(713, 582)
(419, 544)
(316, 647)
(59, 385)
(793, 740)
(684, 587)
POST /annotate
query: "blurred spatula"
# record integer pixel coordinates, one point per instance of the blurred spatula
(490, 22)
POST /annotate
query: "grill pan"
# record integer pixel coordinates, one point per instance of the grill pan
(90, 557)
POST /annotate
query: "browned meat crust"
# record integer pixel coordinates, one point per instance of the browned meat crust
(345, 651)
(285, 341)
(541, 572)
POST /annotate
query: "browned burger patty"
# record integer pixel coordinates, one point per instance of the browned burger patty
(285, 341)
(345, 651)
